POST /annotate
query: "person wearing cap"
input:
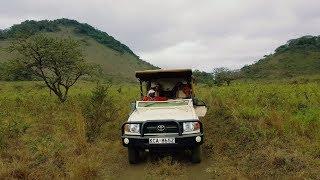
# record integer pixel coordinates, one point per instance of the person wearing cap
(150, 96)
(156, 87)
(153, 95)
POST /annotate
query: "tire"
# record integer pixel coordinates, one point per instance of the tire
(196, 154)
(133, 155)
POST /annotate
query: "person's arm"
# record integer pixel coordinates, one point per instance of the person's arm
(145, 98)
(161, 98)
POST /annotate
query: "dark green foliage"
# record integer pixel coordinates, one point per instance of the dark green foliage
(298, 57)
(224, 75)
(100, 36)
(2, 34)
(219, 76)
(11, 71)
(203, 77)
(2, 71)
(303, 43)
(31, 27)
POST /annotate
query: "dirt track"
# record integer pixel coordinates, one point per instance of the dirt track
(190, 171)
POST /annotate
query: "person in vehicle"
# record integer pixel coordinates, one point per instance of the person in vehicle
(152, 96)
(183, 90)
(156, 87)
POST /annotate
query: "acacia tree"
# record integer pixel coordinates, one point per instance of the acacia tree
(58, 62)
(222, 75)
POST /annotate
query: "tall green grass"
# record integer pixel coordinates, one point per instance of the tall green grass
(251, 131)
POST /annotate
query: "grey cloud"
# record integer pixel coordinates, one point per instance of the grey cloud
(184, 33)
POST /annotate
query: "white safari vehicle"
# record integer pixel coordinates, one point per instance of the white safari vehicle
(166, 117)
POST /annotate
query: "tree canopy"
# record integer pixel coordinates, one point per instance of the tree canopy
(297, 57)
(32, 27)
(224, 75)
(302, 43)
(58, 62)
(203, 77)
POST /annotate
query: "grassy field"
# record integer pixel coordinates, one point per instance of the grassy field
(252, 130)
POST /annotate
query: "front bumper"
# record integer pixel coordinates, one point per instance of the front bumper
(181, 141)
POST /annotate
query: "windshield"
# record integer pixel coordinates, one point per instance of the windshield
(163, 103)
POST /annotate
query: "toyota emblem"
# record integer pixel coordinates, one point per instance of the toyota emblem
(161, 128)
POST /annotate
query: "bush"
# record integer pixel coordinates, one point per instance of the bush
(11, 130)
(98, 111)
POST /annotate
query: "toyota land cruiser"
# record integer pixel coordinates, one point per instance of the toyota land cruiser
(170, 124)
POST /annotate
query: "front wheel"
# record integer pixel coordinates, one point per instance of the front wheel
(133, 155)
(196, 154)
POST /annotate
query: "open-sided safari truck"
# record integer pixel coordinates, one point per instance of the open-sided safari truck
(166, 117)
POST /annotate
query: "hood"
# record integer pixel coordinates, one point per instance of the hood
(167, 113)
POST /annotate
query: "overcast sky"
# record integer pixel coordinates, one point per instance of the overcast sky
(199, 34)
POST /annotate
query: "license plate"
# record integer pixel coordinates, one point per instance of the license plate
(161, 140)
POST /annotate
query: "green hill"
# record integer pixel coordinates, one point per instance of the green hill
(298, 57)
(117, 60)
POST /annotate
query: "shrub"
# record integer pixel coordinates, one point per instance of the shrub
(98, 111)
(12, 130)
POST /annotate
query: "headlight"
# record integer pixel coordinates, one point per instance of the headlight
(132, 129)
(191, 127)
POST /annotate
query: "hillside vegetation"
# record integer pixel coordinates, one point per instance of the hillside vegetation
(117, 60)
(298, 57)
(252, 131)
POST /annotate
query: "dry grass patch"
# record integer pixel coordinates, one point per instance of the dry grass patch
(164, 168)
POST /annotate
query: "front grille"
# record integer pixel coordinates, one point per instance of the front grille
(160, 127)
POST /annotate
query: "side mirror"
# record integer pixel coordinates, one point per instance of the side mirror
(200, 107)
(197, 102)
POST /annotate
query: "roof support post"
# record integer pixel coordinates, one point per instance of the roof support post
(141, 91)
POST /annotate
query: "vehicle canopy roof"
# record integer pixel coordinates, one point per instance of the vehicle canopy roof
(163, 73)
